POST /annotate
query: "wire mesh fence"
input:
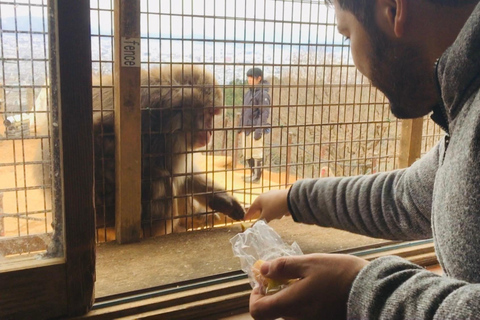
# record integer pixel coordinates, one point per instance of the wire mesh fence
(25, 211)
(325, 119)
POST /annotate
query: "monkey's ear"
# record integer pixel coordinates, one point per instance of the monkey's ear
(171, 121)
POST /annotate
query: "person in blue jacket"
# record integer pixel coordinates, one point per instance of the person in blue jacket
(254, 122)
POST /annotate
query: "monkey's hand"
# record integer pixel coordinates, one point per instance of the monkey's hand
(226, 204)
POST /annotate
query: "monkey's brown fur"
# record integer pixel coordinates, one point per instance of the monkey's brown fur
(178, 104)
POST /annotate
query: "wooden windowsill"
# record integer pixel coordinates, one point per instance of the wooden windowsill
(224, 300)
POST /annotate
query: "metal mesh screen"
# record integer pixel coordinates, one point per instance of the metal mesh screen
(25, 137)
(325, 119)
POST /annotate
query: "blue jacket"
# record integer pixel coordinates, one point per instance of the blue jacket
(256, 109)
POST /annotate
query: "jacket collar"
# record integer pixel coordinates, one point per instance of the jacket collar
(458, 70)
(264, 86)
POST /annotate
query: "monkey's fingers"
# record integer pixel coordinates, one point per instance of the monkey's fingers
(228, 205)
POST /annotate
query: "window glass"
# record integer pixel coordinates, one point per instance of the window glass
(30, 222)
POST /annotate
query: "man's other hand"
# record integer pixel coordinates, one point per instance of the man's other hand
(320, 293)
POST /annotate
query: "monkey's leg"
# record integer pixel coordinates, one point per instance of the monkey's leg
(159, 207)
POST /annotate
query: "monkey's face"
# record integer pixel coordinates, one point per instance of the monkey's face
(204, 125)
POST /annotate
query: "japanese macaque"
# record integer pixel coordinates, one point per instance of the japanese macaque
(178, 105)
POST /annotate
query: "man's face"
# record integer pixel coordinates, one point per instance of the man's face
(398, 69)
(253, 81)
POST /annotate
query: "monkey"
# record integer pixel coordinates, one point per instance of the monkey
(178, 105)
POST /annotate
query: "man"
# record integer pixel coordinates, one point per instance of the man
(256, 110)
(396, 43)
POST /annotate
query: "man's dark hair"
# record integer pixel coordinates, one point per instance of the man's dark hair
(364, 9)
(255, 72)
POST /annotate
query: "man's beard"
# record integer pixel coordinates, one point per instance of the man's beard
(403, 74)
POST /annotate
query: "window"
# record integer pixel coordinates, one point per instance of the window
(325, 119)
(46, 250)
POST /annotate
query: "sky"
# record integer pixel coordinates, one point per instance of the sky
(241, 20)
(263, 31)
(307, 22)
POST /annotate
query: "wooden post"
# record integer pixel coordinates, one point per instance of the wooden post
(127, 121)
(410, 142)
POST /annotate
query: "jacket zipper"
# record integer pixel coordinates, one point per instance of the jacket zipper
(439, 115)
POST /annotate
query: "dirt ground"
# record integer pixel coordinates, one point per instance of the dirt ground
(21, 192)
(186, 256)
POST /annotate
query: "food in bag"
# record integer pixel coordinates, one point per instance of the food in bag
(258, 244)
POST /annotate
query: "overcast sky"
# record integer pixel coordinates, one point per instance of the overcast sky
(242, 20)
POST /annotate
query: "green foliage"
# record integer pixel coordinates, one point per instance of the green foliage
(234, 92)
(233, 95)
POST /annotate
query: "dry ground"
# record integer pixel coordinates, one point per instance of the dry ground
(23, 194)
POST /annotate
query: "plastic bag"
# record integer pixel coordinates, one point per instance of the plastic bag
(261, 242)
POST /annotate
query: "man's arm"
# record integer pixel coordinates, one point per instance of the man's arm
(389, 205)
(393, 288)
(333, 286)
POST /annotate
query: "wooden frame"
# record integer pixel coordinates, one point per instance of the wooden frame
(64, 287)
(60, 287)
(218, 297)
(128, 206)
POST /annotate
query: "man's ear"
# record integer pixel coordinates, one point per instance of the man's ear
(393, 15)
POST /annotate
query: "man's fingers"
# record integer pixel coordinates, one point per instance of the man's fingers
(280, 304)
(284, 268)
(252, 212)
(264, 307)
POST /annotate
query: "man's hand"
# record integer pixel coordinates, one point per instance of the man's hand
(269, 206)
(321, 292)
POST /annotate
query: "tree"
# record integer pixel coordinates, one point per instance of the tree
(234, 92)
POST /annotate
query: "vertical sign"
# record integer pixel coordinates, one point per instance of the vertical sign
(130, 52)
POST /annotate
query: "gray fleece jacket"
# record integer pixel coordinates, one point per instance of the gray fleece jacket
(438, 196)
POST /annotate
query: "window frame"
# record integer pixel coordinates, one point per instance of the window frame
(60, 287)
(64, 287)
(225, 295)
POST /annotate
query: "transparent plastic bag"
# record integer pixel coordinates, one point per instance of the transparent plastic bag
(261, 243)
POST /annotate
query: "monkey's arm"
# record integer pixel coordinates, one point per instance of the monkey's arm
(210, 194)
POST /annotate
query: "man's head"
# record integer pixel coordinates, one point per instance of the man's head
(254, 76)
(396, 42)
